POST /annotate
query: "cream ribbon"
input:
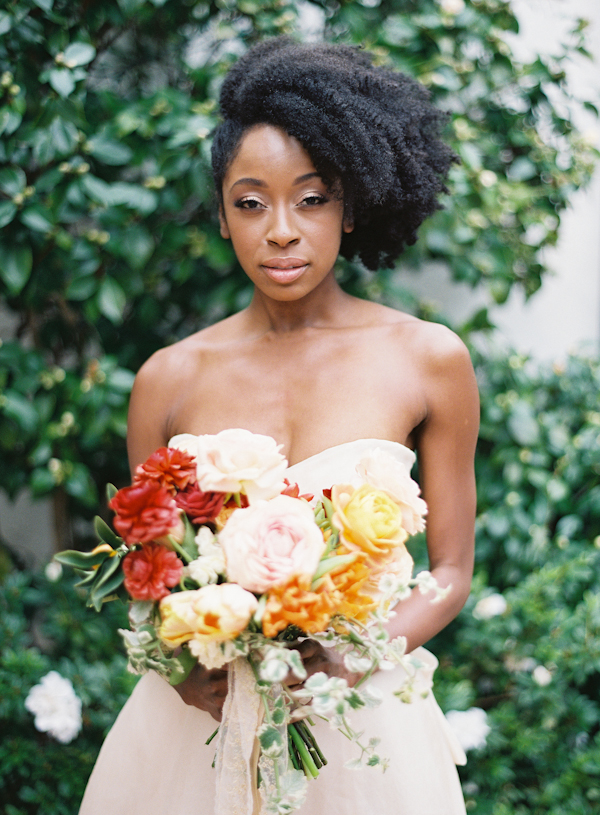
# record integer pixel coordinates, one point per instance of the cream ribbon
(237, 745)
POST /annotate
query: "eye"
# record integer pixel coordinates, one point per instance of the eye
(248, 203)
(313, 200)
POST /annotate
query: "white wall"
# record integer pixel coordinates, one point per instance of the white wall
(565, 312)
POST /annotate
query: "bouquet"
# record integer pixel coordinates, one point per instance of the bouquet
(224, 562)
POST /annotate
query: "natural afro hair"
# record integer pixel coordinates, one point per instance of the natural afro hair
(371, 128)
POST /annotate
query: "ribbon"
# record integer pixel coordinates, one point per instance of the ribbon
(237, 745)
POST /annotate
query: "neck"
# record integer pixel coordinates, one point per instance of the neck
(321, 307)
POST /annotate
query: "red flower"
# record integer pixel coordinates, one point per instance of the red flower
(200, 507)
(151, 571)
(145, 511)
(293, 490)
(171, 468)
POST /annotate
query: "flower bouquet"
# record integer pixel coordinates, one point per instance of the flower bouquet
(224, 562)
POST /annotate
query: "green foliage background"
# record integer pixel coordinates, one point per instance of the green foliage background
(109, 249)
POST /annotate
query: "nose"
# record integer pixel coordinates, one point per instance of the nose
(281, 229)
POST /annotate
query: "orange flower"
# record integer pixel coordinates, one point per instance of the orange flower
(171, 468)
(293, 603)
(349, 581)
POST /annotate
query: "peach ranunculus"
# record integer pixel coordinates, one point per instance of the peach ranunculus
(236, 461)
(387, 473)
(294, 603)
(214, 613)
(368, 519)
(146, 511)
(268, 542)
(173, 469)
(151, 571)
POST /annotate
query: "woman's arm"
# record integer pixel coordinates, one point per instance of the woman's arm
(445, 443)
(147, 430)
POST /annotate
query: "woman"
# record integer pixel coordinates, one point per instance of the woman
(319, 153)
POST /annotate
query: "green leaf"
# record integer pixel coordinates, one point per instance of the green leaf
(79, 53)
(62, 80)
(12, 180)
(80, 484)
(110, 152)
(45, 5)
(137, 247)
(111, 300)
(20, 410)
(15, 267)
(5, 22)
(97, 189)
(81, 560)
(135, 197)
(187, 661)
(37, 219)
(7, 212)
(106, 534)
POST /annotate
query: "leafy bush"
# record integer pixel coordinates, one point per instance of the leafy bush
(45, 626)
(535, 667)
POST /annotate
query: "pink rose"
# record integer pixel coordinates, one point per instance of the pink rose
(265, 544)
(387, 473)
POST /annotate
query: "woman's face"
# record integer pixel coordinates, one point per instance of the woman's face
(285, 225)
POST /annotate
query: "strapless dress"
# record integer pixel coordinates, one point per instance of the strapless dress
(154, 760)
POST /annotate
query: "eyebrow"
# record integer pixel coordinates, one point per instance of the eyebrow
(256, 182)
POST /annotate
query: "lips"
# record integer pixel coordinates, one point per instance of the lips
(284, 270)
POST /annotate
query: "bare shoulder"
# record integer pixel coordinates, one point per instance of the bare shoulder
(180, 359)
(431, 344)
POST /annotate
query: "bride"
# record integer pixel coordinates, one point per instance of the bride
(319, 153)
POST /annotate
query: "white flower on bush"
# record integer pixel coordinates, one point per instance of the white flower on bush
(471, 727)
(452, 6)
(387, 473)
(236, 461)
(541, 676)
(211, 564)
(491, 606)
(267, 543)
(56, 707)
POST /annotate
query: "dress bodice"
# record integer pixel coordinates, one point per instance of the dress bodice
(337, 465)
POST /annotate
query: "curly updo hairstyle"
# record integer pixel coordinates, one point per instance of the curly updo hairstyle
(370, 128)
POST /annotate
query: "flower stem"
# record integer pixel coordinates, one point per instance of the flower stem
(310, 768)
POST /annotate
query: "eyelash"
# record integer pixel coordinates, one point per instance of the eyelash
(244, 203)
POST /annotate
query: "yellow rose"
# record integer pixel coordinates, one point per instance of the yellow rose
(368, 520)
(212, 613)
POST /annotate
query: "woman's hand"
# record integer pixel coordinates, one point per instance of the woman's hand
(317, 658)
(205, 689)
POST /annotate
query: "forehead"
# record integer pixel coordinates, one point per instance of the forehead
(268, 151)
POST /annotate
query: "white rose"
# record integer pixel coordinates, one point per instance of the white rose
(267, 543)
(386, 472)
(236, 461)
(470, 726)
(56, 707)
(491, 606)
(541, 676)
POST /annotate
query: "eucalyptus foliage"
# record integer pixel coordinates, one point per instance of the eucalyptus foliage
(110, 247)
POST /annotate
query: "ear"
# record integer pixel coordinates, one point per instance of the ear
(348, 225)
(223, 224)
